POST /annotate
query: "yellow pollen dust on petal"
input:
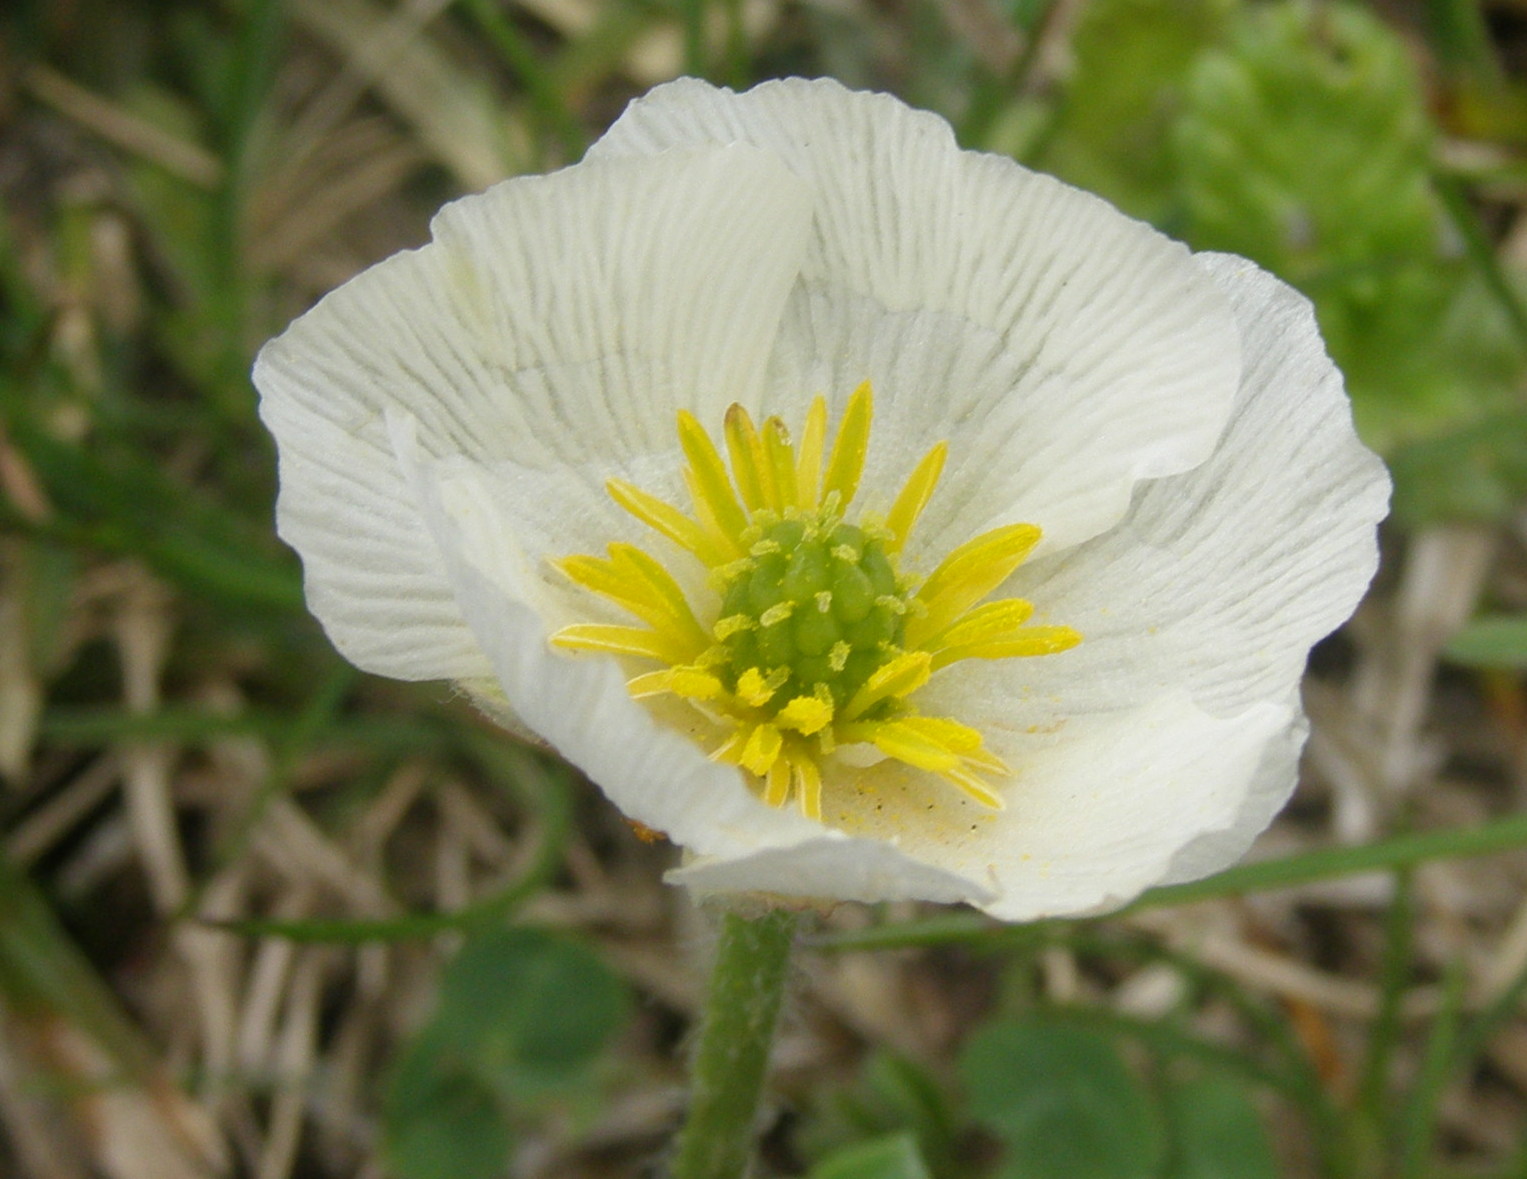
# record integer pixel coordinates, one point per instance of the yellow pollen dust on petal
(806, 636)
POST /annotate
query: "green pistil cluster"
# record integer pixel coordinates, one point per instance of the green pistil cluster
(816, 607)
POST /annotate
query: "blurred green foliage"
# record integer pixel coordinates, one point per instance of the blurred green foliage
(1298, 134)
(1063, 1103)
(1493, 641)
(895, 1157)
(522, 1018)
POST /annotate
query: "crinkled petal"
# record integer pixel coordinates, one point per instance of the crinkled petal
(1097, 810)
(841, 868)
(1219, 580)
(554, 322)
(1111, 358)
(1269, 789)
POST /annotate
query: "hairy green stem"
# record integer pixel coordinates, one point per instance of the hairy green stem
(732, 1055)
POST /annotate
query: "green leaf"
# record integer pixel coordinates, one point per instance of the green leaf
(1063, 1102)
(1493, 641)
(439, 1120)
(1305, 145)
(1478, 473)
(530, 1009)
(1125, 93)
(895, 1157)
(1217, 1133)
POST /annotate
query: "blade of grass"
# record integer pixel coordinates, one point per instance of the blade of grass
(988, 94)
(378, 733)
(1373, 1097)
(1481, 252)
(545, 99)
(1418, 1123)
(316, 715)
(252, 71)
(1400, 851)
(1461, 38)
(43, 972)
(547, 790)
(115, 124)
(112, 499)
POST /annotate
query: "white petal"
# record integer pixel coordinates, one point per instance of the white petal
(1116, 359)
(836, 868)
(654, 774)
(556, 322)
(1219, 580)
(1097, 810)
(1274, 780)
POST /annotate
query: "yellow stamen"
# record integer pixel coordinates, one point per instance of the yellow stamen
(732, 624)
(623, 640)
(749, 464)
(711, 488)
(689, 683)
(756, 689)
(967, 575)
(990, 620)
(973, 786)
(1031, 640)
(903, 742)
(849, 449)
(952, 735)
(776, 614)
(663, 517)
(639, 585)
(808, 786)
(731, 749)
(649, 572)
(763, 746)
(781, 465)
(807, 714)
(722, 540)
(914, 497)
(808, 467)
(902, 676)
(995, 630)
(919, 743)
(777, 784)
(811, 637)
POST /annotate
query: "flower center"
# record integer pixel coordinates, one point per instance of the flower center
(816, 601)
(814, 641)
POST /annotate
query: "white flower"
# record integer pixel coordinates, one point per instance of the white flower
(466, 429)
